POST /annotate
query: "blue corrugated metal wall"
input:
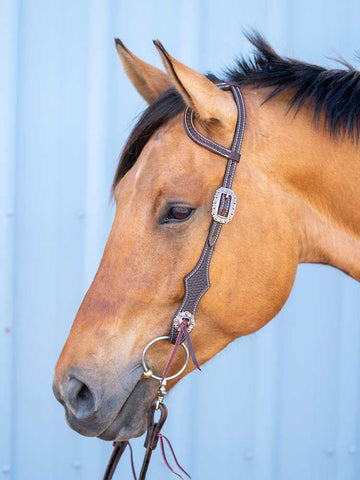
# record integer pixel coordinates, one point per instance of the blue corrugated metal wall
(282, 404)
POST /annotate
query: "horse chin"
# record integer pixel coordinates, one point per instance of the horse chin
(131, 420)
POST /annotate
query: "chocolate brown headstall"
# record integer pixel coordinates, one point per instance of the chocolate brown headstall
(196, 284)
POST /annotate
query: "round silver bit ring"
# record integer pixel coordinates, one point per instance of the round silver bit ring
(157, 339)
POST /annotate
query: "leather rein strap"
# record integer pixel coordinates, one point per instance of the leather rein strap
(196, 282)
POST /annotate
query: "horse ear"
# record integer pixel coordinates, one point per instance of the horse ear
(199, 93)
(149, 81)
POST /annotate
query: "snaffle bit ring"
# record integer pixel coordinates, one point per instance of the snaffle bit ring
(146, 369)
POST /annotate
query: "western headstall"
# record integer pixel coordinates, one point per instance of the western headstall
(196, 284)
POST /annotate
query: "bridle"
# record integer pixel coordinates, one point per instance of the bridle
(196, 284)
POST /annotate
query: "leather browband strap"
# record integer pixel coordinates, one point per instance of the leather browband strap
(197, 281)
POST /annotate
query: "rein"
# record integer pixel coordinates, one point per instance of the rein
(196, 284)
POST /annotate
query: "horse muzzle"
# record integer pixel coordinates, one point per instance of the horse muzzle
(115, 410)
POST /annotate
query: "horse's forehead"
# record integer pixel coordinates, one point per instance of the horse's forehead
(169, 162)
(166, 140)
(169, 150)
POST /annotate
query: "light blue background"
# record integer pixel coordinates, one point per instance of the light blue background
(283, 404)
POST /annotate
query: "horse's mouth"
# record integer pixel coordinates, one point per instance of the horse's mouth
(131, 420)
(123, 414)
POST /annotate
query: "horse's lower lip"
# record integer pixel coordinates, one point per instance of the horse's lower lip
(131, 420)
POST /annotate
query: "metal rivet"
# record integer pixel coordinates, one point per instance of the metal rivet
(10, 212)
(330, 451)
(7, 329)
(352, 449)
(147, 374)
(76, 464)
(5, 469)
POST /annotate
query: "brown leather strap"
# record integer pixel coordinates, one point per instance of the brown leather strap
(152, 435)
(119, 448)
(151, 441)
(197, 281)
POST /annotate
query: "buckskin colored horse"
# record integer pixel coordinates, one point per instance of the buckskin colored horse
(297, 188)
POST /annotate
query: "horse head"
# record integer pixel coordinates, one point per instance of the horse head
(163, 187)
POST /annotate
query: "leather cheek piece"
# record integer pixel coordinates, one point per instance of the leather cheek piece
(197, 282)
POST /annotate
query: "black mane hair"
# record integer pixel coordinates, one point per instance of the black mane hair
(333, 95)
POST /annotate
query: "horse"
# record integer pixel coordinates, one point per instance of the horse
(297, 189)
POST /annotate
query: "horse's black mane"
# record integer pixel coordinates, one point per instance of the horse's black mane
(333, 94)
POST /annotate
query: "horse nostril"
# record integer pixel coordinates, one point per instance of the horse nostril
(80, 399)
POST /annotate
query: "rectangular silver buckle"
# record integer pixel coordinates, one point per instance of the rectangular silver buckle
(228, 193)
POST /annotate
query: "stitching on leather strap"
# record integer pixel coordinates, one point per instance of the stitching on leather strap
(198, 278)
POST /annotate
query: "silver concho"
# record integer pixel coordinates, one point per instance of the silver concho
(216, 204)
(179, 318)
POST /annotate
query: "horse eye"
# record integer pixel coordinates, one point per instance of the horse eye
(178, 213)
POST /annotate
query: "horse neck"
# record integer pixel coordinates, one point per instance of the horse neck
(322, 175)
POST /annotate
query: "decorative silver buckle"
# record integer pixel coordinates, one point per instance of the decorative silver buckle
(180, 317)
(216, 204)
